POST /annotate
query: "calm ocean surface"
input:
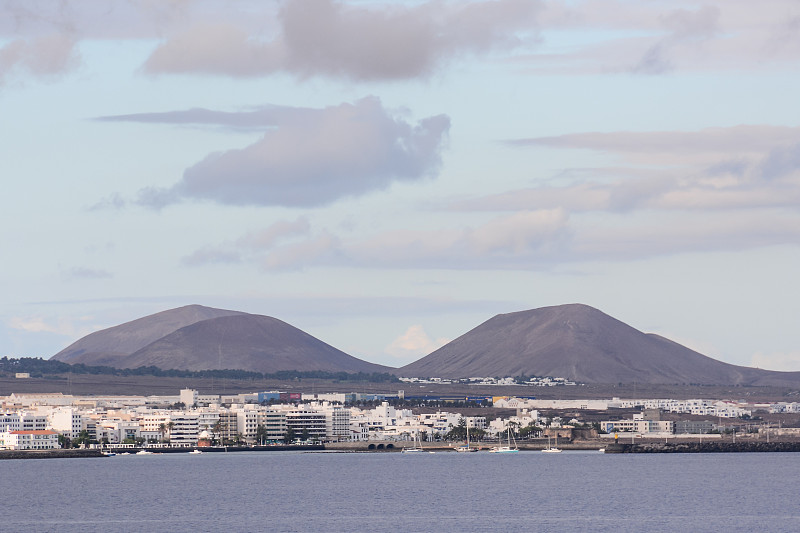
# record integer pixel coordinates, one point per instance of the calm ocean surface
(291, 491)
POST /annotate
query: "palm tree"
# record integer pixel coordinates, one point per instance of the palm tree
(170, 427)
(261, 434)
(216, 429)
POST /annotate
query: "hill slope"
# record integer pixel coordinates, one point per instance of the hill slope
(106, 347)
(249, 342)
(581, 343)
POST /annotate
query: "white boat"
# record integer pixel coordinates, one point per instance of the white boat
(144, 452)
(551, 449)
(417, 446)
(506, 449)
(195, 452)
(466, 447)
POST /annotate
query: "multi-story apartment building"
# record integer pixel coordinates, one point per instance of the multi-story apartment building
(303, 421)
(66, 420)
(638, 425)
(22, 421)
(247, 423)
(227, 426)
(155, 423)
(118, 431)
(274, 422)
(184, 431)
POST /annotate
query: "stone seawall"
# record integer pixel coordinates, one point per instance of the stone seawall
(705, 447)
(49, 454)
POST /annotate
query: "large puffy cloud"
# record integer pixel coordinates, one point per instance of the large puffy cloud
(324, 37)
(307, 157)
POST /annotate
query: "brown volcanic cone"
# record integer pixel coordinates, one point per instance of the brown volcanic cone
(580, 343)
(107, 346)
(245, 342)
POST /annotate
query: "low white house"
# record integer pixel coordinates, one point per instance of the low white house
(36, 439)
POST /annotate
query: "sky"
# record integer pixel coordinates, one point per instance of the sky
(388, 175)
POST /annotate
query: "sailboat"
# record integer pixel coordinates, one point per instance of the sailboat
(506, 449)
(417, 447)
(550, 449)
(466, 447)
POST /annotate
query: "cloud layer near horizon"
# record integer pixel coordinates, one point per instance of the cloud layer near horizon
(306, 157)
(719, 189)
(390, 41)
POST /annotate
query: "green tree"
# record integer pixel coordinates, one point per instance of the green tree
(289, 436)
(261, 434)
(458, 432)
(529, 431)
(83, 439)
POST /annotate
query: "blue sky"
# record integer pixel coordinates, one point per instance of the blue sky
(387, 176)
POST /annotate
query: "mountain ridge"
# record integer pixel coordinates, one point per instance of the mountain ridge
(182, 338)
(573, 341)
(581, 343)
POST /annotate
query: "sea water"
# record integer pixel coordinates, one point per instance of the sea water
(317, 491)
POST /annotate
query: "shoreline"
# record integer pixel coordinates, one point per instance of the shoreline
(705, 447)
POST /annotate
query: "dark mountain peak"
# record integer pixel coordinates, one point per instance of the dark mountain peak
(105, 346)
(251, 342)
(581, 343)
(195, 337)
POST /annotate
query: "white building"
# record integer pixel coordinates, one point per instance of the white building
(185, 429)
(638, 425)
(43, 439)
(247, 423)
(274, 422)
(23, 421)
(66, 420)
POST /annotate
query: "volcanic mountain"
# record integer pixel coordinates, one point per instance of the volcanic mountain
(108, 346)
(202, 338)
(580, 343)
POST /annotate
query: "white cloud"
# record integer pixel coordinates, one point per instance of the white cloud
(60, 326)
(657, 38)
(338, 39)
(307, 157)
(783, 361)
(413, 344)
(254, 243)
(43, 57)
(734, 168)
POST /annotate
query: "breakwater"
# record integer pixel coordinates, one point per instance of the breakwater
(50, 454)
(220, 449)
(704, 447)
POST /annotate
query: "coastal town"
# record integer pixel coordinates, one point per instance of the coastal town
(192, 420)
